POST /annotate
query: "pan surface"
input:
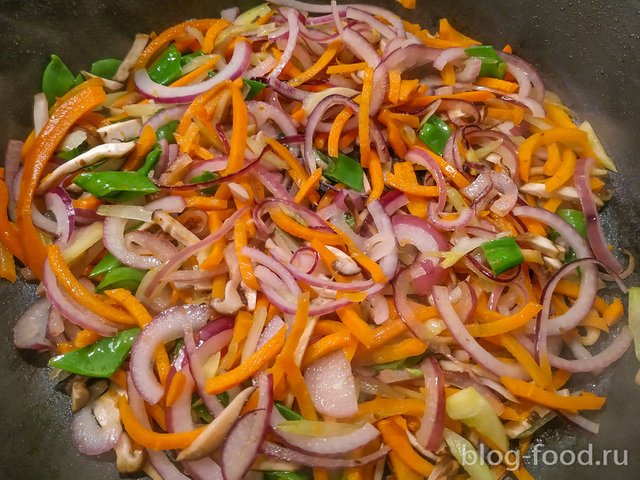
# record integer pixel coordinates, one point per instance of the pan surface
(586, 51)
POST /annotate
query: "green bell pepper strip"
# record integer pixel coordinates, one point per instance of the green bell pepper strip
(492, 64)
(287, 413)
(502, 254)
(350, 220)
(167, 68)
(100, 359)
(190, 56)
(224, 399)
(167, 131)
(105, 68)
(435, 134)
(343, 169)
(202, 412)
(104, 266)
(575, 218)
(282, 475)
(57, 79)
(121, 277)
(254, 88)
(103, 184)
(150, 161)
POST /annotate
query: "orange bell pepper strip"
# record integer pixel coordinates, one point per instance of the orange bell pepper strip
(507, 323)
(66, 112)
(176, 386)
(7, 264)
(346, 68)
(356, 325)
(377, 178)
(298, 387)
(542, 377)
(401, 469)
(8, 231)
(496, 83)
(574, 403)
(150, 439)
(394, 434)
(249, 367)
(212, 33)
(564, 173)
(131, 304)
(238, 141)
(80, 294)
(317, 67)
(571, 137)
(447, 32)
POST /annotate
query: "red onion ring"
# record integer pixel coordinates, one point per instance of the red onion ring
(59, 203)
(30, 331)
(432, 422)
(288, 455)
(114, 242)
(246, 436)
(163, 94)
(294, 31)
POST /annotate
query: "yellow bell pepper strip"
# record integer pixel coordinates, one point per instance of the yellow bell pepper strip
(317, 67)
(573, 403)
(571, 137)
(249, 367)
(394, 434)
(447, 32)
(80, 294)
(66, 112)
(363, 117)
(150, 439)
(564, 173)
(540, 376)
(401, 469)
(506, 323)
(8, 231)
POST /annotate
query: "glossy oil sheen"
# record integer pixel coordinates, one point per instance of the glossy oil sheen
(586, 50)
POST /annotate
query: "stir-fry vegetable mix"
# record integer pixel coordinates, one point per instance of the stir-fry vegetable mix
(390, 235)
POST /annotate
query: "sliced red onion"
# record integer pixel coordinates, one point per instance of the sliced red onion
(59, 203)
(269, 262)
(170, 203)
(273, 327)
(432, 423)
(332, 386)
(167, 326)
(43, 223)
(393, 201)
(406, 310)
(247, 436)
(389, 244)
(595, 234)
(467, 342)
(72, 311)
(333, 445)
(288, 455)
(417, 232)
(507, 149)
(294, 31)
(174, 263)
(589, 278)
(582, 422)
(230, 14)
(12, 158)
(265, 112)
(470, 71)
(210, 183)
(113, 238)
(165, 116)
(464, 379)
(262, 68)
(464, 217)
(96, 428)
(30, 331)
(449, 55)
(423, 158)
(366, 17)
(272, 182)
(163, 94)
(360, 47)
(215, 165)
(508, 191)
(537, 90)
(306, 259)
(287, 90)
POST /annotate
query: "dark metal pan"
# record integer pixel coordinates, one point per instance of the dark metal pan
(586, 51)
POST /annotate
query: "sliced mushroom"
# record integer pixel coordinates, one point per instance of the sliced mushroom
(214, 434)
(552, 263)
(131, 58)
(128, 459)
(546, 246)
(79, 394)
(96, 154)
(344, 264)
(121, 131)
(565, 193)
(109, 85)
(231, 302)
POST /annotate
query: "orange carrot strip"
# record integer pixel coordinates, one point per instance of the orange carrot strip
(363, 117)
(309, 186)
(212, 33)
(323, 347)
(66, 112)
(8, 231)
(542, 378)
(394, 434)
(7, 264)
(357, 326)
(388, 407)
(395, 78)
(317, 67)
(150, 439)
(346, 68)
(475, 96)
(249, 367)
(506, 323)
(143, 146)
(336, 129)
(289, 225)
(377, 178)
(240, 239)
(528, 391)
(130, 304)
(80, 294)
(409, 347)
(195, 74)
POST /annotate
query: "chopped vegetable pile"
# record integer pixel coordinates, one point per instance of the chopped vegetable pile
(312, 241)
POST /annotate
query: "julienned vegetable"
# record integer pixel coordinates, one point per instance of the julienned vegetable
(278, 229)
(100, 359)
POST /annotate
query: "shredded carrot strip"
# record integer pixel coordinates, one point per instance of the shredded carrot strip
(240, 238)
(377, 178)
(476, 96)
(324, 346)
(317, 67)
(176, 386)
(336, 130)
(357, 326)
(249, 367)
(346, 68)
(309, 186)
(523, 357)
(395, 79)
(197, 73)
(506, 324)
(394, 434)
(381, 407)
(143, 146)
(297, 329)
(150, 439)
(289, 225)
